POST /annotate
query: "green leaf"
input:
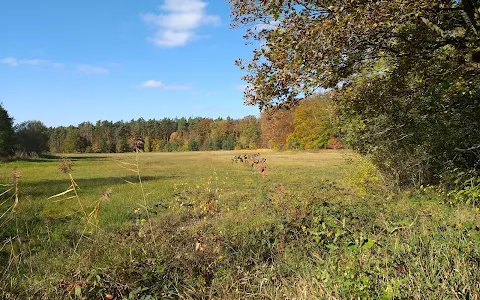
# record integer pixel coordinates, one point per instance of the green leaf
(402, 222)
(369, 244)
(352, 247)
(331, 246)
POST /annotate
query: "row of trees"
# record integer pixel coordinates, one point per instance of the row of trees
(312, 125)
(179, 134)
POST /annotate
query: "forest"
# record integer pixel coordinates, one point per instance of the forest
(312, 125)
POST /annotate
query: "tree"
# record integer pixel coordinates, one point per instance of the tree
(200, 132)
(57, 139)
(405, 71)
(194, 144)
(7, 134)
(85, 130)
(175, 141)
(310, 44)
(248, 130)
(32, 136)
(105, 135)
(218, 133)
(74, 142)
(158, 145)
(122, 145)
(314, 123)
(276, 127)
(229, 142)
(121, 137)
(148, 146)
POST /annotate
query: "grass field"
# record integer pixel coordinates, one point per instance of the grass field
(197, 225)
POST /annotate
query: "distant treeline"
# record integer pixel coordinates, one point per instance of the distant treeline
(310, 126)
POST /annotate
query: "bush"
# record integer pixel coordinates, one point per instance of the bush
(414, 130)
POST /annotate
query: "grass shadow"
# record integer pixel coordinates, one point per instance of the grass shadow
(54, 158)
(72, 157)
(47, 188)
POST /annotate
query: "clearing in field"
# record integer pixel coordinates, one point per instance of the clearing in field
(268, 225)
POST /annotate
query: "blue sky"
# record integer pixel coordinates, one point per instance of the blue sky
(65, 62)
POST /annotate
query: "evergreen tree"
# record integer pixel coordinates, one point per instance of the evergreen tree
(7, 134)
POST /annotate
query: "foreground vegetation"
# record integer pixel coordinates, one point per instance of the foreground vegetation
(200, 225)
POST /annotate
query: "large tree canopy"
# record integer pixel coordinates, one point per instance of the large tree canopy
(312, 44)
(405, 71)
(32, 136)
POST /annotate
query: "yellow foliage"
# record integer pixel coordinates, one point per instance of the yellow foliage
(365, 178)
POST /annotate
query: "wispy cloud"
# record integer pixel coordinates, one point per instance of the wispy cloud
(29, 62)
(178, 22)
(9, 61)
(89, 69)
(57, 65)
(33, 62)
(81, 68)
(152, 84)
(161, 85)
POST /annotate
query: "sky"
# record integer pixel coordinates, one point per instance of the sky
(66, 62)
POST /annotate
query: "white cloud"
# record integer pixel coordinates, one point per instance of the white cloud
(152, 84)
(161, 85)
(33, 62)
(82, 68)
(9, 61)
(30, 62)
(178, 23)
(89, 69)
(57, 65)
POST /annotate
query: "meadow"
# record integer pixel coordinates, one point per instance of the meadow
(199, 225)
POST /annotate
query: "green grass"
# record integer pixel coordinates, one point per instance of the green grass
(319, 225)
